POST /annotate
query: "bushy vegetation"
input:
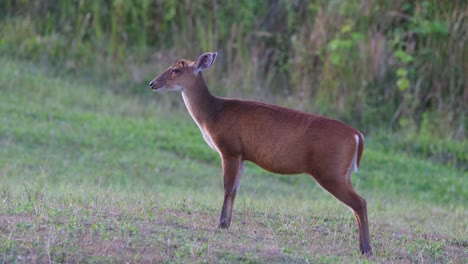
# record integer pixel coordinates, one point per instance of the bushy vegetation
(398, 65)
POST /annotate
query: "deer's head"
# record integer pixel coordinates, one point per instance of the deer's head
(181, 74)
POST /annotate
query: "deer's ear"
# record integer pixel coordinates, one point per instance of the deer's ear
(204, 61)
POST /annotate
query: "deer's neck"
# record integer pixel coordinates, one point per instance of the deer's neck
(200, 103)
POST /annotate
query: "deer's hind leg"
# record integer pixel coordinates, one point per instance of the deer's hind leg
(341, 189)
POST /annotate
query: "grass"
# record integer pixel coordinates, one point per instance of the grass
(87, 175)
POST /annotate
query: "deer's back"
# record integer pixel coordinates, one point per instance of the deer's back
(275, 137)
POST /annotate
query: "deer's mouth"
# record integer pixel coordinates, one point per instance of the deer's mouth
(154, 86)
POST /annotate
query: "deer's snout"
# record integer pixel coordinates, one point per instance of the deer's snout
(151, 84)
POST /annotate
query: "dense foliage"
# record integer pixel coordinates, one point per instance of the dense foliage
(374, 63)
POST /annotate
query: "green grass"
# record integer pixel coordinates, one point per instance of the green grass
(87, 175)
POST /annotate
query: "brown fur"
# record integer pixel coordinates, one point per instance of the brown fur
(277, 139)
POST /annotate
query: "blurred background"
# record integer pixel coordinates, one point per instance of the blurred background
(386, 67)
(96, 168)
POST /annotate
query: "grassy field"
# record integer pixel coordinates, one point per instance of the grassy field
(87, 175)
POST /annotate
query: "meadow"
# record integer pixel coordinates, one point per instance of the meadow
(91, 174)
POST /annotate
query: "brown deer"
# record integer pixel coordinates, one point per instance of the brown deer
(278, 139)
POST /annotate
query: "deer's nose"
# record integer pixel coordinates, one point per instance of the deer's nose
(151, 84)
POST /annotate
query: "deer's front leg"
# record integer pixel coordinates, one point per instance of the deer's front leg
(233, 169)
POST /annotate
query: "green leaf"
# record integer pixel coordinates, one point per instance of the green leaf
(335, 59)
(346, 28)
(403, 84)
(356, 36)
(402, 72)
(333, 45)
(403, 56)
(403, 122)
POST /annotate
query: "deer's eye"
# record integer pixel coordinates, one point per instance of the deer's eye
(175, 71)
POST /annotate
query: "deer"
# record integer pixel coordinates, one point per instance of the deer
(278, 139)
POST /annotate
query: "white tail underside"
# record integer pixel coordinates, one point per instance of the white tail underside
(354, 165)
